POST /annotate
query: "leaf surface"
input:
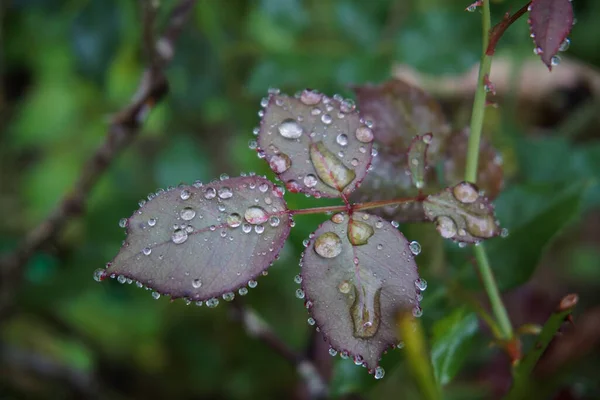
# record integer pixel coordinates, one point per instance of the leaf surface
(357, 273)
(550, 22)
(204, 241)
(315, 144)
(462, 214)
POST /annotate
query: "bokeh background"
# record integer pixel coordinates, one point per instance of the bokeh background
(66, 65)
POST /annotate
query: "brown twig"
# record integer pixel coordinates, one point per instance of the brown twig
(122, 130)
(498, 30)
(258, 328)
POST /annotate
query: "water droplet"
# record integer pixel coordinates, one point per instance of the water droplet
(328, 245)
(246, 228)
(280, 163)
(415, 248)
(417, 312)
(379, 224)
(300, 293)
(259, 229)
(344, 355)
(329, 168)
(504, 232)
(152, 221)
(196, 283)
(187, 214)
(179, 236)
(555, 60)
(564, 46)
(123, 222)
(146, 251)
(364, 134)
(466, 192)
(395, 224)
(298, 279)
(446, 227)
(223, 176)
(263, 187)
(99, 274)
(379, 246)
(310, 180)
(310, 97)
(338, 218)
(252, 145)
(252, 284)
(359, 232)
(342, 139)
(379, 373)
(229, 296)
(185, 194)
(290, 129)
(326, 119)
(274, 221)
(212, 303)
(225, 193)
(537, 51)
(243, 291)
(210, 193)
(344, 287)
(365, 312)
(311, 321)
(256, 215)
(421, 284)
(332, 352)
(155, 295)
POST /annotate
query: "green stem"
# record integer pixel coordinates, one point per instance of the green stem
(489, 283)
(485, 271)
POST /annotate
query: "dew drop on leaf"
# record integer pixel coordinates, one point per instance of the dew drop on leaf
(256, 215)
(290, 129)
(328, 245)
(330, 168)
(280, 163)
(187, 213)
(359, 232)
(179, 236)
(415, 248)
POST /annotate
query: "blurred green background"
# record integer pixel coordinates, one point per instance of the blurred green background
(66, 65)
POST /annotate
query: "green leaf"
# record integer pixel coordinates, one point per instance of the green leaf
(452, 336)
(516, 257)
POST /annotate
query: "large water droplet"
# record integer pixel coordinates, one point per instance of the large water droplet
(564, 46)
(152, 222)
(415, 248)
(185, 194)
(483, 226)
(329, 168)
(366, 314)
(359, 232)
(234, 220)
(446, 227)
(364, 134)
(300, 293)
(187, 213)
(328, 245)
(290, 129)
(310, 97)
(252, 284)
(212, 303)
(344, 287)
(326, 119)
(310, 180)
(342, 139)
(210, 193)
(155, 295)
(147, 251)
(379, 373)
(280, 163)
(225, 193)
(332, 352)
(123, 222)
(196, 283)
(421, 284)
(256, 215)
(179, 236)
(465, 192)
(99, 274)
(274, 221)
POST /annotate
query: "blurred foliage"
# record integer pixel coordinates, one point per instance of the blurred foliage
(66, 65)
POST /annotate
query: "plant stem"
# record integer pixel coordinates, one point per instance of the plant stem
(489, 283)
(485, 271)
(356, 206)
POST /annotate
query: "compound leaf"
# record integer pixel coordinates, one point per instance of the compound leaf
(316, 145)
(204, 241)
(358, 272)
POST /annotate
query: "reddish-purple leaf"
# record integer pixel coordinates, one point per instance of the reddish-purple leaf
(357, 273)
(203, 242)
(490, 172)
(315, 144)
(399, 112)
(462, 214)
(550, 22)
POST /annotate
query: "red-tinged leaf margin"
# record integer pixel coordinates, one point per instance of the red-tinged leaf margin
(217, 268)
(550, 22)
